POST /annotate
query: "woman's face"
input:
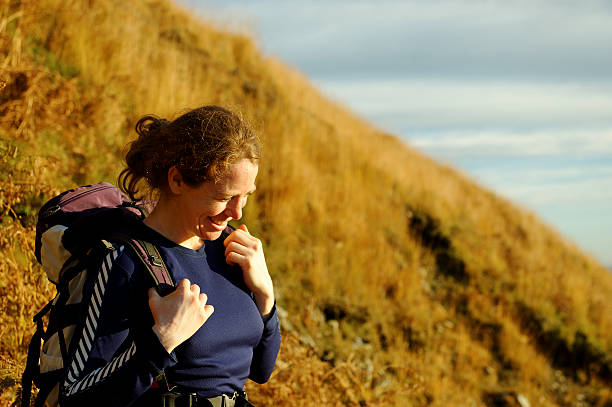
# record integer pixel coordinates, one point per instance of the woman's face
(209, 206)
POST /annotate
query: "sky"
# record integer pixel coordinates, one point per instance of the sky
(517, 95)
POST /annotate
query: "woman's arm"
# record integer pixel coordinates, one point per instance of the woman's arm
(246, 250)
(115, 358)
(265, 353)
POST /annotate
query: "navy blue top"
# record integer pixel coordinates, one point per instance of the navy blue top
(117, 355)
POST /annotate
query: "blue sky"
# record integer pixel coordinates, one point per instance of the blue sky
(518, 95)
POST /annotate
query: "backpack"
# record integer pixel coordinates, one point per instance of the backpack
(76, 230)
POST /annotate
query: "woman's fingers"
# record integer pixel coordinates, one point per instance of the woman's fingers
(208, 310)
(242, 236)
(233, 258)
(184, 283)
(241, 248)
(238, 248)
(180, 314)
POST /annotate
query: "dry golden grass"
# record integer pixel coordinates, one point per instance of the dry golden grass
(404, 282)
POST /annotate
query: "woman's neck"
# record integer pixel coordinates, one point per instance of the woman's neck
(163, 220)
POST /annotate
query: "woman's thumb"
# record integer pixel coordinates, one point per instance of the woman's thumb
(153, 294)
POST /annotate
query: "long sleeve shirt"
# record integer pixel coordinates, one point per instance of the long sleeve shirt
(116, 356)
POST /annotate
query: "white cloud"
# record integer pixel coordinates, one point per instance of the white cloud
(556, 142)
(564, 173)
(535, 193)
(402, 105)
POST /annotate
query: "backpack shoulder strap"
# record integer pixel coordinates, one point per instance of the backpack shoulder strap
(32, 369)
(153, 262)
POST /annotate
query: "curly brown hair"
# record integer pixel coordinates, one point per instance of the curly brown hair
(202, 143)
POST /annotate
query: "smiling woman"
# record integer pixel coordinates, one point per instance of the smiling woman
(189, 215)
(219, 327)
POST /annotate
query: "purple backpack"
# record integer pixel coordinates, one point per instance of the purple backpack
(76, 230)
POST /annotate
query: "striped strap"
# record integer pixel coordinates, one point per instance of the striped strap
(74, 382)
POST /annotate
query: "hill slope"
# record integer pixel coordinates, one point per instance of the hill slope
(402, 281)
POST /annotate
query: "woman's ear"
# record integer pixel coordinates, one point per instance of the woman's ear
(175, 180)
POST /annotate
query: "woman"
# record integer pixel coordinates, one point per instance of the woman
(198, 344)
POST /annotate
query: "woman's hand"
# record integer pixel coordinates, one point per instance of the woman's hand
(243, 249)
(179, 314)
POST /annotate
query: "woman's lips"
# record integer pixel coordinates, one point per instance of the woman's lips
(219, 225)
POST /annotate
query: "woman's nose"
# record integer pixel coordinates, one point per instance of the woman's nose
(234, 209)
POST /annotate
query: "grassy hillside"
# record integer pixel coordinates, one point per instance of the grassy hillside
(402, 282)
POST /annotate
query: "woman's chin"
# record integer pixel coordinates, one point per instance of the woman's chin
(211, 235)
